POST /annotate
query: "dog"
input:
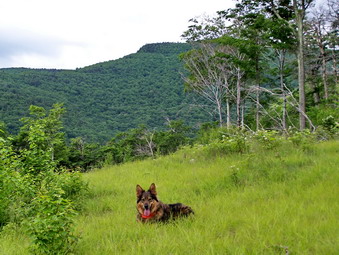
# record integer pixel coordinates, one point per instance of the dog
(150, 209)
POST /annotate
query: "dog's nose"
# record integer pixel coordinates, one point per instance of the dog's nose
(146, 206)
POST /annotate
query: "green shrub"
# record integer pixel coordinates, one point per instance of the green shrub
(209, 132)
(73, 186)
(268, 139)
(52, 224)
(15, 188)
(34, 191)
(303, 139)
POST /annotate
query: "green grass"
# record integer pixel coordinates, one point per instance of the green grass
(277, 201)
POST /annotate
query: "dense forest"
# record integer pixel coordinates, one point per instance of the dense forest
(105, 98)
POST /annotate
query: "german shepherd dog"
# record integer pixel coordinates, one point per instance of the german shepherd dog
(150, 209)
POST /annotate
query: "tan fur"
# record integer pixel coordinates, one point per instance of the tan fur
(160, 212)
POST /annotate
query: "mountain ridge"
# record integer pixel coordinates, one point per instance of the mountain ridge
(105, 98)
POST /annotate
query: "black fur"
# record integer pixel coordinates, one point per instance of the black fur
(160, 212)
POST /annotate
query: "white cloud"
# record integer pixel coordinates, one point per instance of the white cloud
(76, 33)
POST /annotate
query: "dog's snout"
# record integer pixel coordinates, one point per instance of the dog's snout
(146, 206)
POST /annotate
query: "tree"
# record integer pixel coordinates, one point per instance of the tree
(322, 42)
(209, 76)
(147, 149)
(318, 29)
(280, 38)
(42, 136)
(34, 190)
(236, 52)
(236, 58)
(333, 18)
(170, 140)
(299, 8)
(3, 130)
(250, 27)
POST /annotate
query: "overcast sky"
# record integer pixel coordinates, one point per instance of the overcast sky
(75, 33)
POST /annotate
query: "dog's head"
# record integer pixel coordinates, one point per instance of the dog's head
(147, 201)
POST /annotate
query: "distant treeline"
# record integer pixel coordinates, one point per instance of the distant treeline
(135, 144)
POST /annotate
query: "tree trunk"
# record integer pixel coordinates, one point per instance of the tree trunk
(334, 66)
(219, 107)
(228, 113)
(282, 54)
(257, 117)
(324, 73)
(243, 115)
(314, 88)
(238, 97)
(299, 16)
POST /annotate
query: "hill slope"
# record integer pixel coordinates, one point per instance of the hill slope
(280, 200)
(102, 99)
(276, 201)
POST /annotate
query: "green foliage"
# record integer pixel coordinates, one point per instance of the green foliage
(42, 138)
(170, 141)
(124, 146)
(84, 156)
(215, 142)
(3, 130)
(330, 124)
(73, 188)
(321, 112)
(301, 138)
(33, 190)
(140, 143)
(105, 99)
(52, 224)
(268, 139)
(164, 48)
(208, 132)
(8, 180)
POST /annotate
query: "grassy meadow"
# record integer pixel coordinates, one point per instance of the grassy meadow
(282, 200)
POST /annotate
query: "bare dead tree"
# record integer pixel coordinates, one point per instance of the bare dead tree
(318, 30)
(210, 77)
(238, 74)
(292, 101)
(148, 148)
(276, 118)
(281, 53)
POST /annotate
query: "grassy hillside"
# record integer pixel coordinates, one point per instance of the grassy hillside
(105, 98)
(282, 200)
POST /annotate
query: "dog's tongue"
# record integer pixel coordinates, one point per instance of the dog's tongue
(147, 212)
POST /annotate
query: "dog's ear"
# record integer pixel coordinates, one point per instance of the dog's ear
(139, 191)
(152, 189)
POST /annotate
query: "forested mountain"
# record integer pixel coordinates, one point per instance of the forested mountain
(142, 88)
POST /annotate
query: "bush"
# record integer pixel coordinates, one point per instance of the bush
(52, 224)
(73, 186)
(303, 139)
(268, 139)
(223, 141)
(34, 191)
(15, 189)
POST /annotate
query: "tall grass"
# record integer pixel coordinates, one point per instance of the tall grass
(265, 202)
(281, 200)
